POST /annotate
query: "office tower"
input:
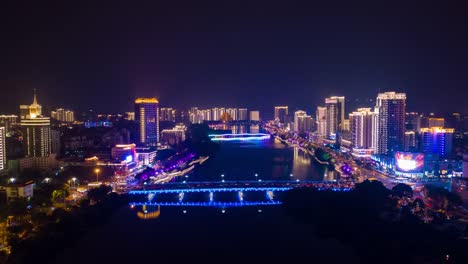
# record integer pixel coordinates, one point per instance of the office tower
(321, 117)
(298, 114)
(390, 122)
(130, 116)
(437, 140)
(147, 116)
(335, 115)
(63, 115)
(7, 121)
(242, 112)
(36, 131)
(362, 125)
(436, 122)
(410, 141)
(413, 121)
(232, 112)
(37, 136)
(305, 123)
(280, 113)
(2, 149)
(254, 115)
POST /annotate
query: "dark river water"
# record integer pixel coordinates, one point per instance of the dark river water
(268, 159)
(251, 234)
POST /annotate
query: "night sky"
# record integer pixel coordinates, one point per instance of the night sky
(232, 53)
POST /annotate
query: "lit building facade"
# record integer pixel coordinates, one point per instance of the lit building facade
(242, 112)
(410, 141)
(36, 131)
(437, 140)
(63, 115)
(124, 152)
(232, 112)
(436, 122)
(130, 116)
(297, 115)
(147, 116)
(254, 115)
(390, 112)
(362, 125)
(8, 120)
(174, 136)
(280, 113)
(335, 115)
(321, 117)
(2, 149)
(305, 123)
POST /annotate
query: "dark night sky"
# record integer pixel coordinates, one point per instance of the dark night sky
(232, 53)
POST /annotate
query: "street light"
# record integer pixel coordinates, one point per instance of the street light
(97, 174)
(12, 180)
(73, 180)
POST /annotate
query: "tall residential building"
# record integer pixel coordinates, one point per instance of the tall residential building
(321, 117)
(298, 114)
(232, 112)
(390, 122)
(437, 140)
(130, 116)
(335, 114)
(280, 113)
(63, 115)
(362, 125)
(7, 121)
(206, 114)
(217, 113)
(147, 116)
(242, 113)
(254, 115)
(167, 114)
(2, 149)
(196, 117)
(305, 123)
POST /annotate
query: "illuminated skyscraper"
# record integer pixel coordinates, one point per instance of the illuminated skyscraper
(437, 140)
(36, 131)
(206, 114)
(147, 116)
(362, 128)
(280, 113)
(298, 114)
(130, 116)
(335, 114)
(242, 112)
(321, 117)
(410, 141)
(2, 149)
(390, 112)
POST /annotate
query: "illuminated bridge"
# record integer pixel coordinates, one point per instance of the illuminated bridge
(225, 194)
(239, 137)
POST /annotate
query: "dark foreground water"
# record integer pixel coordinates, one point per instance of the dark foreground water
(215, 235)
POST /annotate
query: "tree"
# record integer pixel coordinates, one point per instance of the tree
(99, 194)
(59, 195)
(402, 189)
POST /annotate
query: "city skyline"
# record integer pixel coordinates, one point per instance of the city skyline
(268, 54)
